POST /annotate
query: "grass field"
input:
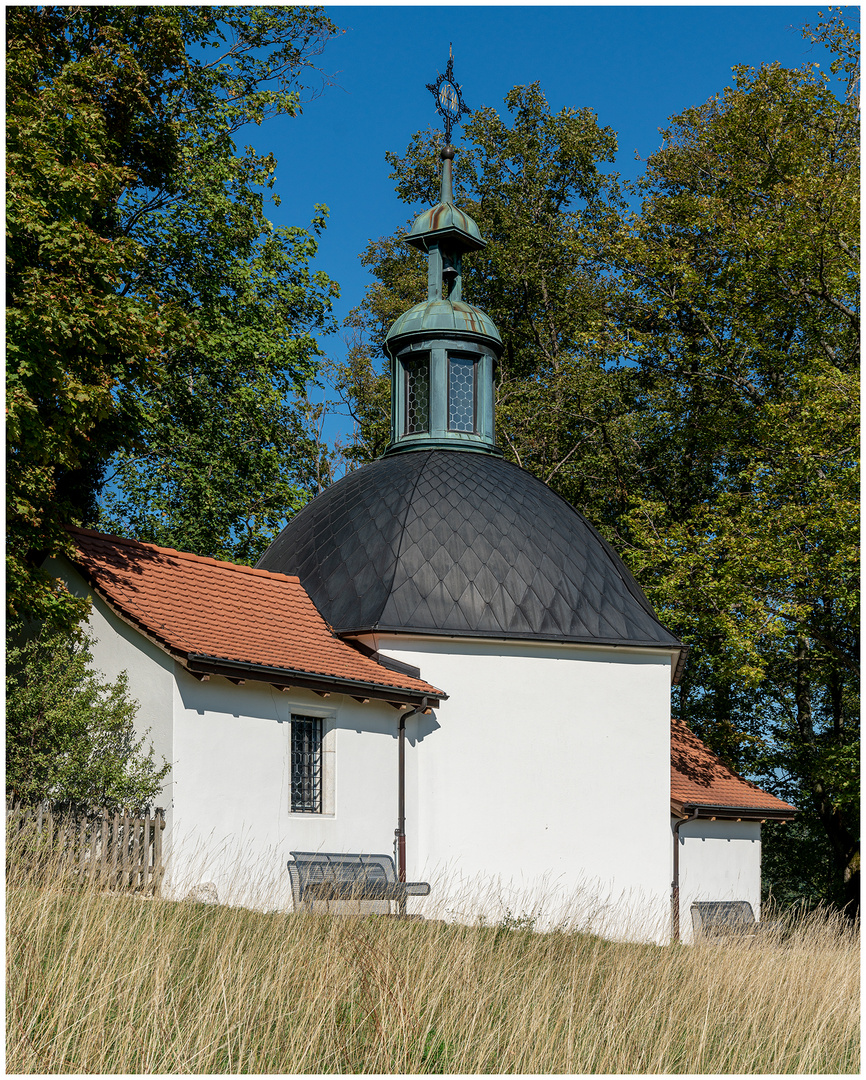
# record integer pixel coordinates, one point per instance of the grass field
(107, 984)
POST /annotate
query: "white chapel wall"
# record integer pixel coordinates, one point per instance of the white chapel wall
(233, 825)
(227, 799)
(542, 784)
(719, 860)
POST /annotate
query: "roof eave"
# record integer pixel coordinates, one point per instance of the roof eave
(420, 240)
(199, 664)
(680, 665)
(715, 811)
(202, 664)
(505, 635)
(425, 333)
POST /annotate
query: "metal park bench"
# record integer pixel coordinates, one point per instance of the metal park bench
(344, 884)
(723, 918)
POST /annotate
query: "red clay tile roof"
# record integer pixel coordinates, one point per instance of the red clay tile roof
(698, 778)
(224, 612)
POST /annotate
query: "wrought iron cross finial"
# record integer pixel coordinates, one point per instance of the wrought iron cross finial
(449, 100)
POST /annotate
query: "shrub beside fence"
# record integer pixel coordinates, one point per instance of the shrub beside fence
(119, 851)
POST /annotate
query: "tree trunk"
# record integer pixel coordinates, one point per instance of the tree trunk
(844, 848)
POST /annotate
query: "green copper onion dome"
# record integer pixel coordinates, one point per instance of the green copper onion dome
(445, 221)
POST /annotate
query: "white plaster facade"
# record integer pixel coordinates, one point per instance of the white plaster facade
(542, 786)
(719, 860)
(227, 798)
(232, 819)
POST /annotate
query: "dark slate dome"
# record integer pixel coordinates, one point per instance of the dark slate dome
(465, 544)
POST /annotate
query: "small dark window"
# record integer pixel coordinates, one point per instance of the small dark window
(306, 765)
(461, 393)
(417, 394)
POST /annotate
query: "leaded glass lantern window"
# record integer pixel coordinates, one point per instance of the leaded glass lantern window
(417, 394)
(461, 393)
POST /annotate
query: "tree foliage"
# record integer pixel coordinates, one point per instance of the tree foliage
(70, 733)
(79, 128)
(143, 270)
(686, 373)
(740, 278)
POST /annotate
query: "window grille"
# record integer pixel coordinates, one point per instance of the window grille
(461, 393)
(417, 395)
(306, 765)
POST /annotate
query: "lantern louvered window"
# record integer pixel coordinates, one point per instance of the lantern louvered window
(306, 765)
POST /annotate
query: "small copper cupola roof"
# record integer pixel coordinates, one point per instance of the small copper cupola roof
(444, 221)
(444, 233)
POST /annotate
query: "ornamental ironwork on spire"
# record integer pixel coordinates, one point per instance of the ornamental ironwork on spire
(443, 350)
(449, 97)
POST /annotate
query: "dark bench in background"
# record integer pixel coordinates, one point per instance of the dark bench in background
(349, 884)
(723, 918)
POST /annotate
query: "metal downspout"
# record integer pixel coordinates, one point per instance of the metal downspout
(675, 884)
(400, 831)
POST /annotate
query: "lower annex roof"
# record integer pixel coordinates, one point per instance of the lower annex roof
(700, 779)
(224, 619)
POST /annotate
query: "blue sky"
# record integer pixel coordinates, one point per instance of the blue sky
(634, 66)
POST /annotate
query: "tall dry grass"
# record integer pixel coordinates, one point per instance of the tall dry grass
(102, 983)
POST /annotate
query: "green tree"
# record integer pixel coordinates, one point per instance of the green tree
(222, 456)
(140, 260)
(742, 307)
(70, 733)
(80, 125)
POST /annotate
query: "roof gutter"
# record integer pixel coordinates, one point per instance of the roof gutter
(676, 651)
(202, 664)
(715, 812)
(680, 665)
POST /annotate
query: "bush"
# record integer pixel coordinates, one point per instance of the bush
(70, 733)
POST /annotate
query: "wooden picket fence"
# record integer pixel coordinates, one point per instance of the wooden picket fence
(118, 851)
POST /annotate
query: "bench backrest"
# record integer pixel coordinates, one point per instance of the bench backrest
(722, 916)
(340, 868)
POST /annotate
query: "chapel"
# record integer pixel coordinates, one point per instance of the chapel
(438, 655)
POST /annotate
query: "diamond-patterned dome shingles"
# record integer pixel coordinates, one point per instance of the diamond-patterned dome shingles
(486, 584)
(363, 524)
(460, 543)
(405, 600)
